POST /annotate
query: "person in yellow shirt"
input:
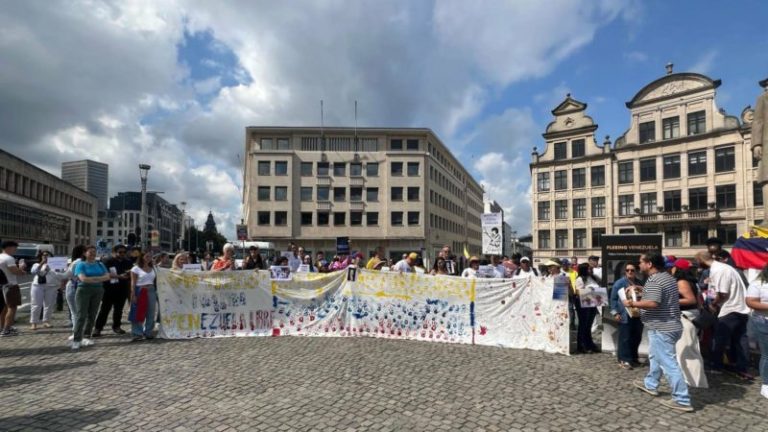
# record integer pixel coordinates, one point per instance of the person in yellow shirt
(375, 263)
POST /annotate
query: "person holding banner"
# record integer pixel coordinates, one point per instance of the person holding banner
(584, 280)
(179, 260)
(143, 298)
(226, 262)
(471, 271)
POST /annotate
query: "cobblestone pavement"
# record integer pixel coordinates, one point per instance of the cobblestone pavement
(289, 383)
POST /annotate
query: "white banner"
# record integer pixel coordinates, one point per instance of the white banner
(492, 233)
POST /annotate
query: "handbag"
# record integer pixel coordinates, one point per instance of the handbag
(705, 320)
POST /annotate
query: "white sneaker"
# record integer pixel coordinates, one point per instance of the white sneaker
(764, 391)
(87, 342)
(71, 337)
(75, 346)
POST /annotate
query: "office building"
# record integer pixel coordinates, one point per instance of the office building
(123, 218)
(90, 176)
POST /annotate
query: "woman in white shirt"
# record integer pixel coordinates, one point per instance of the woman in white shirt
(143, 298)
(471, 271)
(45, 285)
(757, 299)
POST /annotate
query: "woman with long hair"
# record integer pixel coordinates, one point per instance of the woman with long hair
(757, 299)
(143, 298)
(78, 254)
(687, 347)
(179, 260)
(630, 325)
(45, 285)
(586, 315)
(90, 274)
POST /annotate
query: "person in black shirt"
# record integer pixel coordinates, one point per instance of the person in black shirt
(116, 291)
(253, 261)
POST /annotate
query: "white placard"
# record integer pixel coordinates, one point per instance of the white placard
(486, 271)
(304, 268)
(191, 268)
(280, 273)
(492, 234)
(58, 264)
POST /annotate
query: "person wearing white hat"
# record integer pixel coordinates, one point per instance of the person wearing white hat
(525, 268)
(471, 271)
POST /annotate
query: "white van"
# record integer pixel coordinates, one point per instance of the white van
(28, 252)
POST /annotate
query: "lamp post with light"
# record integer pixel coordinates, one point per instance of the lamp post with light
(143, 171)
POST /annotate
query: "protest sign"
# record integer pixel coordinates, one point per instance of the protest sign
(492, 234)
(58, 264)
(342, 245)
(191, 268)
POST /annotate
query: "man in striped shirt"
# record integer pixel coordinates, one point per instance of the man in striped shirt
(660, 313)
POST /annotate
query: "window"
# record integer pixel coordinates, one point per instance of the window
(672, 201)
(561, 209)
(542, 182)
(283, 144)
(339, 194)
(560, 151)
(727, 233)
(697, 123)
(397, 218)
(396, 194)
(323, 168)
(413, 194)
(356, 194)
(579, 176)
(561, 180)
(697, 163)
(598, 207)
(580, 238)
(672, 167)
(263, 193)
(263, 217)
(281, 193)
(306, 218)
(372, 194)
(671, 127)
(281, 168)
(339, 169)
(725, 196)
(543, 210)
(396, 144)
(697, 198)
(356, 169)
(647, 132)
(397, 168)
(413, 218)
(648, 202)
(580, 208)
(596, 233)
(577, 148)
(673, 237)
(699, 235)
(323, 193)
(372, 218)
(339, 219)
(306, 169)
(626, 204)
(757, 194)
(412, 144)
(306, 193)
(598, 175)
(356, 218)
(323, 218)
(372, 169)
(625, 172)
(647, 169)
(281, 218)
(561, 239)
(413, 169)
(544, 239)
(725, 159)
(263, 168)
(266, 144)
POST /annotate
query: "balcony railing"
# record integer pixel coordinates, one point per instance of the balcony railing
(670, 216)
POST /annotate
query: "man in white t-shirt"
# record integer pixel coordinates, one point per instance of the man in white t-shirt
(471, 271)
(525, 268)
(10, 290)
(405, 265)
(733, 313)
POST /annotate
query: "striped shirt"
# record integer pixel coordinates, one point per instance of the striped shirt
(661, 288)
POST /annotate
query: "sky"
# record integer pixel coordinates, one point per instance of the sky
(174, 83)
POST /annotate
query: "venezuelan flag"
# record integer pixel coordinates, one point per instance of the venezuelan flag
(750, 252)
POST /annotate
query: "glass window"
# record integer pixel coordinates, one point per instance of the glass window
(323, 193)
(263, 217)
(727, 233)
(580, 208)
(598, 175)
(306, 169)
(560, 151)
(339, 194)
(267, 144)
(647, 132)
(356, 218)
(356, 169)
(281, 218)
(543, 210)
(372, 218)
(672, 166)
(396, 194)
(397, 218)
(413, 218)
(283, 144)
(306, 218)
(263, 168)
(281, 168)
(580, 238)
(372, 169)
(413, 169)
(561, 180)
(372, 194)
(697, 123)
(671, 127)
(396, 144)
(323, 218)
(356, 194)
(397, 168)
(544, 239)
(561, 239)
(699, 235)
(306, 193)
(725, 159)
(596, 233)
(281, 193)
(561, 209)
(339, 219)
(725, 196)
(626, 205)
(577, 148)
(647, 169)
(673, 237)
(672, 201)
(697, 163)
(542, 182)
(579, 176)
(697, 198)
(412, 144)
(757, 194)
(598, 207)
(263, 192)
(413, 194)
(323, 168)
(648, 203)
(339, 169)
(625, 172)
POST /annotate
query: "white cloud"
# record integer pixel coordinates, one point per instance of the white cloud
(704, 64)
(636, 56)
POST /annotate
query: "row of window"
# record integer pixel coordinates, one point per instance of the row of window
(264, 168)
(321, 218)
(578, 178)
(443, 160)
(338, 144)
(339, 193)
(670, 127)
(445, 224)
(725, 160)
(673, 237)
(577, 149)
(445, 203)
(20, 184)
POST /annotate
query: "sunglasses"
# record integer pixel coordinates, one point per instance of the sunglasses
(630, 270)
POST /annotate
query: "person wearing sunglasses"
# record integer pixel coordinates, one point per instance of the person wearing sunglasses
(630, 326)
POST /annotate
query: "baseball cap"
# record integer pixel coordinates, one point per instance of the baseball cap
(553, 262)
(525, 259)
(413, 255)
(682, 264)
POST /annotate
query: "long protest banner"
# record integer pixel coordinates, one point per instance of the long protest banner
(516, 313)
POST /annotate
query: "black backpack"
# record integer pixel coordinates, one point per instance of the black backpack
(3, 278)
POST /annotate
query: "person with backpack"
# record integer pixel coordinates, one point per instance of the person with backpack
(525, 268)
(90, 274)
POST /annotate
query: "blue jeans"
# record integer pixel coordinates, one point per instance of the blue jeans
(145, 328)
(759, 326)
(663, 358)
(70, 294)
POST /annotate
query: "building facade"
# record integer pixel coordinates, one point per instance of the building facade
(38, 207)
(683, 169)
(399, 189)
(123, 218)
(90, 176)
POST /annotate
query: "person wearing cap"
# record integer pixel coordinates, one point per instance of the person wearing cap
(471, 271)
(688, 352)
(525, 268)
(406, 265)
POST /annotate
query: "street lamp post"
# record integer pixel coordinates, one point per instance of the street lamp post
(143, 171)
(183, 221)
(514, 242)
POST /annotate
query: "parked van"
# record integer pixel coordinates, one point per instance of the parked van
(28, 252)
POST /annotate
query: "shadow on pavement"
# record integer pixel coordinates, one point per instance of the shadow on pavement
(43, 369)
(72, 419)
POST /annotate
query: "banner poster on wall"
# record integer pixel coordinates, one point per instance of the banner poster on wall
(492, 234)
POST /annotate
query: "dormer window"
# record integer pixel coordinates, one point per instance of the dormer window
(647, 132)
(671, 127)
(577, 148)
(560, 151)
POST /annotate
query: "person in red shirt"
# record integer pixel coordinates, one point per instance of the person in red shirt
(226, 262)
